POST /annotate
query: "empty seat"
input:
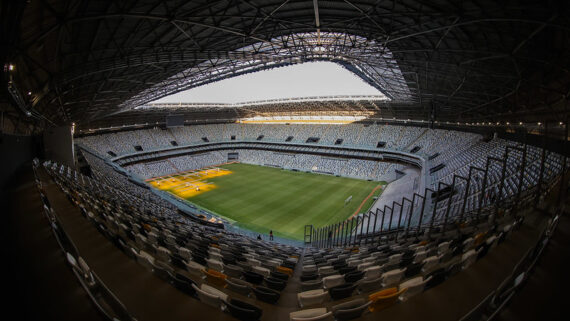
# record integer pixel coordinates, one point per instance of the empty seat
(244, 311)
(252, 277)
(210, 295)
(468, 244)
(279, 275)
(414, 286)
(215, 264)
(468, 258)
(309, 277)
(383, 299)
(332, 281)
(350, 310)
(315, 314)
(311, 285)
(195, 268)
(443, 247)
(430, 263)
(369, 285)
(184, 284)
(266, 294)
(261, 270)
(233, 270)
(342, 291)
(214, 277)
(238, 286)
(437, 277)
(394, 259)
(413, 270)
(392, 277)
(353, 277)
(312, 297)
(275, 284)
(372, 272)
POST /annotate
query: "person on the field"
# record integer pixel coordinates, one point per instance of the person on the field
(271, 235)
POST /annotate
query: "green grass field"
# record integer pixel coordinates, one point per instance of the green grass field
(263, 198)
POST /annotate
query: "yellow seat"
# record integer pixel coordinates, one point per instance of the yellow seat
(385, 298)
(214, 277)
(479, 238)
(285, 270)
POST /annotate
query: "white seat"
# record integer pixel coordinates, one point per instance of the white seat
(430, 263)
(468, 258)
(253, 262)
(332, 281)
(419, 256)
(311, 315)
(492, 242)
(392, 277)
(208, 298)
(195, 268)
(163, 254)
(185, 253)
(261, 270)
(394, 259)
(372, 272)
(467, 244)
(354, 262)
(309, 268)
(215, 265)
(214, 291)
(364, 266)
(312, 297)
(442, 248)
(415, 286)
(327, 269)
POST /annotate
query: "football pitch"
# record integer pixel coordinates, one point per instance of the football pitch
(262, 198)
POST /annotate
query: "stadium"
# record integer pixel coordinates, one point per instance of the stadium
(134, 191)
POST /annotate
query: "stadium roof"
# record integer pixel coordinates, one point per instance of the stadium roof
(87, 61)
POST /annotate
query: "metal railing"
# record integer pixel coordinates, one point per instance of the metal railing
(445, 209)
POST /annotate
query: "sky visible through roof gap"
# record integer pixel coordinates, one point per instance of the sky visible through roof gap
(296, 81)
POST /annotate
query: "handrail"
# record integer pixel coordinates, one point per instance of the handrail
(67, 246)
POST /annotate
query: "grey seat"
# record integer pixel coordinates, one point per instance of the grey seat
(350, 310)
(239, 286)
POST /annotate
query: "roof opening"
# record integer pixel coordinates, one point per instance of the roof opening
(308, 79)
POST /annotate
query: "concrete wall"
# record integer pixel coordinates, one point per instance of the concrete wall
(58, 145)
(15, 152)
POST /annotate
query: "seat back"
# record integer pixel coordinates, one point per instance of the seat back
(383, 299)
(312, 297)
(244, 311)
(352, 313)
(316, 314)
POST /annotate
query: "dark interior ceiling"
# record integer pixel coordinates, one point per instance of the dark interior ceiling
(88, 61)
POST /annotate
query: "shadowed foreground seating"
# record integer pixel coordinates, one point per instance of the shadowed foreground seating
(252, 277)
(238, 286)
(312, 297)
(216, 278)
(244, 311)
(266, 294)
(275, 284)
(311, 315)
(414, 286)
(342, 291)
(183, 284)
(350, 310)
(383, 299)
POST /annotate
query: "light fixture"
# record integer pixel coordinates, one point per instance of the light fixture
(11, 67)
